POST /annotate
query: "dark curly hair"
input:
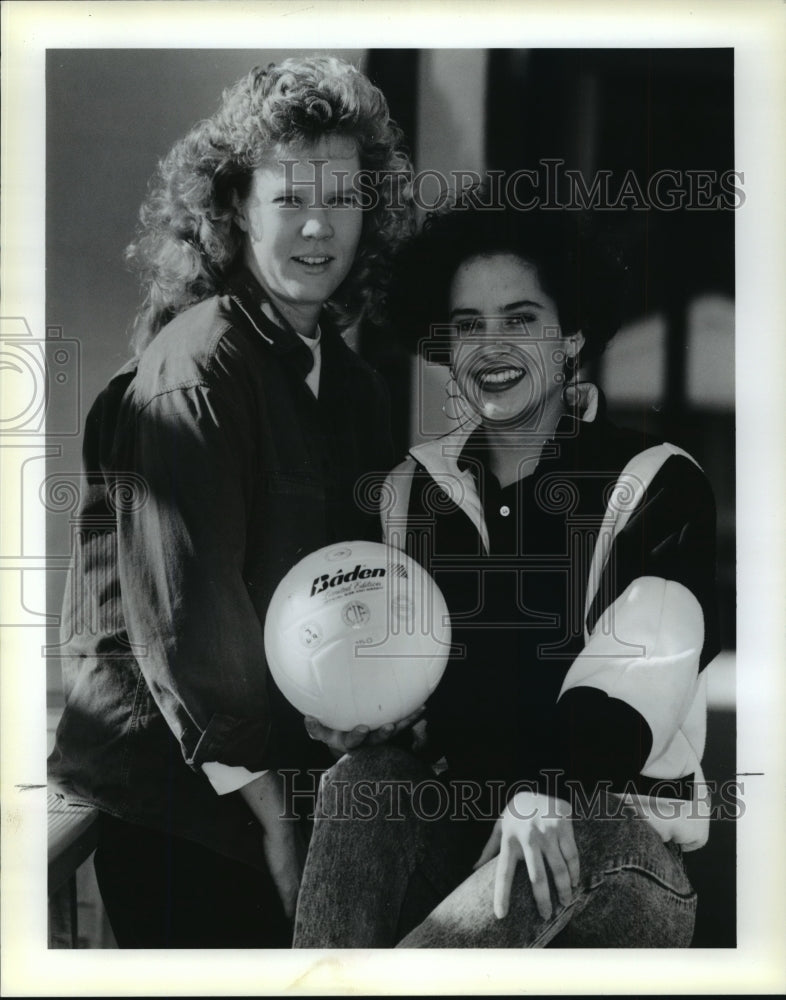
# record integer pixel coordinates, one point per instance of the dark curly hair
(579, 262)
(189, 239)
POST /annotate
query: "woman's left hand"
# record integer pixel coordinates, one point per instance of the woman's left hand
(538, 829)
(341, 742)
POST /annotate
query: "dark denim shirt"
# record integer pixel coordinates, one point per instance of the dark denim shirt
(211, 470)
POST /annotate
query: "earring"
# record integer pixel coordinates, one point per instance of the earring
(453, 405)
(570, 386)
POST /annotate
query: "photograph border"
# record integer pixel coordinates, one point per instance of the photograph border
(757, 32)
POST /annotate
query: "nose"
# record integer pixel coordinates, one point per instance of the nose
(317, 226)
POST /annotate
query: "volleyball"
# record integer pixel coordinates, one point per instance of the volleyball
(357, 634)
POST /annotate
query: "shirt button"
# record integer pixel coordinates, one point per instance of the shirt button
(504, 510)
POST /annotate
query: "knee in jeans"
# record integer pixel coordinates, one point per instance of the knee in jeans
(615, 828)
(370, 783)
(629, 844)
(375, 763)
(639, 911)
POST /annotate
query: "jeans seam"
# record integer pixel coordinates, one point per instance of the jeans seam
(561, 920)
(646, 873)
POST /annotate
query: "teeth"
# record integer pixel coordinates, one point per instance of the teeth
(507, 375)
(313, 260)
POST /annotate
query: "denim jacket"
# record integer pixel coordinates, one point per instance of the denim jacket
(211, 470)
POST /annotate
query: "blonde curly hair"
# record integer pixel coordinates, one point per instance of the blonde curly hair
(189, 239)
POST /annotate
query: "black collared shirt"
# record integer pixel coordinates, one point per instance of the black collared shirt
(518, 610)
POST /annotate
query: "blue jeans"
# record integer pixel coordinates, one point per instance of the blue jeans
(389, 866)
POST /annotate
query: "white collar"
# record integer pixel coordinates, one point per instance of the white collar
(439, 457)
(311, 342)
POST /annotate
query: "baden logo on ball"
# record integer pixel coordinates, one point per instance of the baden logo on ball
(357, 634)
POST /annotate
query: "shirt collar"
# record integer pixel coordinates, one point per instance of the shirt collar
(312, 343)
(577, 422)
(251, 302)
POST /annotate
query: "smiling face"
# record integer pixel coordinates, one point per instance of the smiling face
(507, 349)
(302, 221)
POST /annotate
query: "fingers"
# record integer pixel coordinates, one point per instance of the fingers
(509, 854)
(492, 847)
(531, 829)
(536, 869)
(381, 735)
(354, 738)
(388, 731)
(384, 733)
(559, 872)
(560, 857)
(341, 742)
(334, 738)
(313, 728)
(567, 844)
(410, 719)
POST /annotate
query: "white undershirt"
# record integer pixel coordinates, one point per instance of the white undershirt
(313, 344)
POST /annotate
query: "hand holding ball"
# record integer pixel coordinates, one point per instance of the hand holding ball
(357, 634)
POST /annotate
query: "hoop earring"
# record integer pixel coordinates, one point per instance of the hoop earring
(452, 406)
(570, 371)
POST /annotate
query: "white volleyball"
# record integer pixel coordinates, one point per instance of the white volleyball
(357, 634)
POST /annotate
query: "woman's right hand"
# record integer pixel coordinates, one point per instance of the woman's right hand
(539, 830)
(341, 742)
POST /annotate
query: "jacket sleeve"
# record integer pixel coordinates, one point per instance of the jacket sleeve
(181, 559)
(394, 504)
(632, 706)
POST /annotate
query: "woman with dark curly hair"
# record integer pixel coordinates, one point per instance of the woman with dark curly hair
(560, 780)
(227, 449)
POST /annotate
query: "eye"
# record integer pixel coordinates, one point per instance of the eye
(518, 323)
(288, 201)
(350, 200)
(468, 326)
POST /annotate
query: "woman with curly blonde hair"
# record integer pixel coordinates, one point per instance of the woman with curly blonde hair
(228, 448)
(190, 235)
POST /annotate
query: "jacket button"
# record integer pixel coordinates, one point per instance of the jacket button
(504, 510)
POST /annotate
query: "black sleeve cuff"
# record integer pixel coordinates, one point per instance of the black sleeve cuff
(605, 740)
